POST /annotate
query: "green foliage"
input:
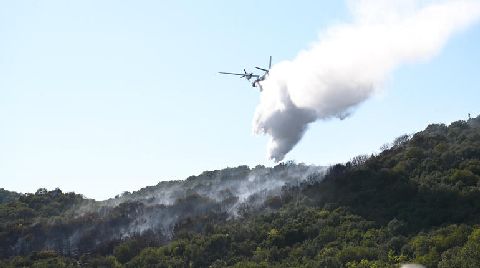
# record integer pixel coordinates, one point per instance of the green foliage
(127, 250)
(8, 196)
(416, 202)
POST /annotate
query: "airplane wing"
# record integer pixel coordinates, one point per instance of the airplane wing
(230, 73)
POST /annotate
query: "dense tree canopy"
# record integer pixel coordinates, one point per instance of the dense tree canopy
(416, 202)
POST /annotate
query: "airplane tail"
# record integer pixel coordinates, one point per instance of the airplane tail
(269, 66)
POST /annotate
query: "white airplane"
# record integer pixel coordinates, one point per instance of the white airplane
(258, 78)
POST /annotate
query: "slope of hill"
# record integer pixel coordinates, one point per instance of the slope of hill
(72, 225)
(7, 196)
(418, 201)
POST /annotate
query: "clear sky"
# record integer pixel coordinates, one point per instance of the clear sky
(100, 97)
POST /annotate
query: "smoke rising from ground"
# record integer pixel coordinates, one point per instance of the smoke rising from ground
(349, 63)
(159, 208)
(157, 212)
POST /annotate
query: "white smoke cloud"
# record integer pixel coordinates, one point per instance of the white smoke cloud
(350, 62)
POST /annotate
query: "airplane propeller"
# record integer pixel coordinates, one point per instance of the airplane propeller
(245, 74)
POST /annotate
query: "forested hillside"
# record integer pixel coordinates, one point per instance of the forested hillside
(417, 201)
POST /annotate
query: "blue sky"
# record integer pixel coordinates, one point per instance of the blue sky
(100, 97)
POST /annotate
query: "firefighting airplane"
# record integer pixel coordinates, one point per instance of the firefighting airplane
(258, 78)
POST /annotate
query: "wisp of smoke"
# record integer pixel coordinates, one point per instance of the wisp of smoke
(350, 62)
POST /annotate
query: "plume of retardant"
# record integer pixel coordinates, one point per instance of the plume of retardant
(350, 61)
